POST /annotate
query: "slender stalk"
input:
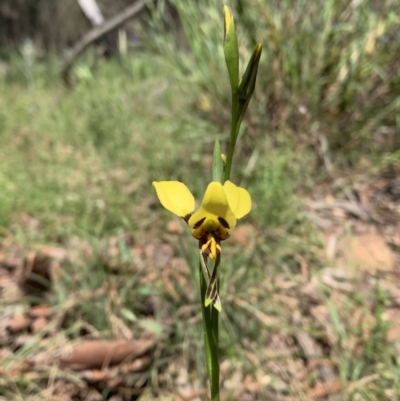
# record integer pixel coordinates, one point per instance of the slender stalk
(233, 137)
(242, 91)
(210, 332)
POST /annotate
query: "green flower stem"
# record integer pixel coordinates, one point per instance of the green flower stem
(242, 90)
(210, 332)
(210, 314)
(217, 165)
(234, 134)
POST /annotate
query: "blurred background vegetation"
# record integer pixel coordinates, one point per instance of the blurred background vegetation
(77, 164)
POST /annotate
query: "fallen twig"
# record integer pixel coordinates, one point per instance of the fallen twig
(97, 33)
(349, 207)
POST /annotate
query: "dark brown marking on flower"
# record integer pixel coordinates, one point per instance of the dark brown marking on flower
(221, 235)
(206, 251)
(199, 223)
(187, 217)
(223, 222)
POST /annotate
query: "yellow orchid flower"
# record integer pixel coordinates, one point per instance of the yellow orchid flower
(215, 219)
(212, 223)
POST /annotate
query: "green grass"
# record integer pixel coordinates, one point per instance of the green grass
(328, 68)
(80, 163)
(90, 153)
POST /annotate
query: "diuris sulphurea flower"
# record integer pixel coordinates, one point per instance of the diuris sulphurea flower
(212, 223)
(216, 217)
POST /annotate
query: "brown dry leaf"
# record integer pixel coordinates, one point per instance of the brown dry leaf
(35, 275)
(329, 198)
(17, 323)
(121, 375)
(93, 395)
(98, 354)
(10, 262)
(284, 283)
(250, 384)
(367, 252)
(393, 334)
(95, 375)
(42, 310)
(115, 381)
(339, 213)
(5, 280)
(38, 325)
(323, 389)
(291, 302)
(138, 365)
(317, 363)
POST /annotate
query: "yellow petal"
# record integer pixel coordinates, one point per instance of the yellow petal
(214, 206)
(238, 198)
(175, 197)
